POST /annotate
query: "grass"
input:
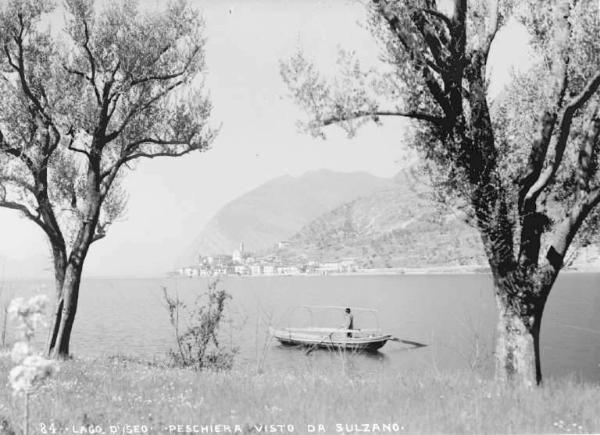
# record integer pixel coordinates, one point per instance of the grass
(111, 392)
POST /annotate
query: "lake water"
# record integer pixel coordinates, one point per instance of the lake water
(454, 315)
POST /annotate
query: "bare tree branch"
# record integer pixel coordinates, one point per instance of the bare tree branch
(20, 68)
(78, 73)
(139, 108)
(493, 27)
(18, 182)
(23, 209)
(20, 155)
(432, 40)
(91, 60)
(430, 81)
(438, 121)
(563, 135)
(537, 156)
(159, 154)
(129, 152)
(439, 15)
(166, 77)
(587, 152)
(71, 145)
(567, 229)
(590, 88)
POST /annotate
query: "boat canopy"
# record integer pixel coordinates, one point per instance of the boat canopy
(363, 317)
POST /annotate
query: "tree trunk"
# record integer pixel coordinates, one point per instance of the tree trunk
(67, 303)
(58, 344)
(518, 340)
(60, 264)
(53, 331)
(65, 315)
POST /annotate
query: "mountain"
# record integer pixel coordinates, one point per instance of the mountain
(399, 226)
(327, 216)
(279, 208)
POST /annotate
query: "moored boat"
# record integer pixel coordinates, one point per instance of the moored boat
(329, 338)
(359, 340)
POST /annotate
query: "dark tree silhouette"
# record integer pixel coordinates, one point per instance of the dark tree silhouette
(76, 115)
(523, 163)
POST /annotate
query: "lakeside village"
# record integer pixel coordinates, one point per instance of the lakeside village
(243, 263)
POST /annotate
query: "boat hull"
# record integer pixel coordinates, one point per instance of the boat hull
(332, 341)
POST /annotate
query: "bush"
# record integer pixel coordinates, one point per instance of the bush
(198, 345)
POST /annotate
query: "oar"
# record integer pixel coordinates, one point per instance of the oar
(412, 343)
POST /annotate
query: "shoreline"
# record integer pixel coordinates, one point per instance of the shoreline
(433, 270)
(393, 271)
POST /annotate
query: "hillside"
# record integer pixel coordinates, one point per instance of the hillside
(276, 210)
(398, 226)
(326, 216)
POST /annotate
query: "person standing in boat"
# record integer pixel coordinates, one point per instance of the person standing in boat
(349, 323)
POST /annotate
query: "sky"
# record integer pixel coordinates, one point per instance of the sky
(171, 199)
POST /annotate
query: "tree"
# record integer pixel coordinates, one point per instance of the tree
(78, 111)
(523, 164)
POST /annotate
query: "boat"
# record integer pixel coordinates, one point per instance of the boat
(357, 340)
(329, 338)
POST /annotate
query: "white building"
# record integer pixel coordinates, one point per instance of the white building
(241, 269)
(326, 268)
(238, 254)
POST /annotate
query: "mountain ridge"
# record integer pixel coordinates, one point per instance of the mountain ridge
(327, 217)
(400, 226)
(275, 210)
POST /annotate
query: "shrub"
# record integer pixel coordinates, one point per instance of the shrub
(198, 344)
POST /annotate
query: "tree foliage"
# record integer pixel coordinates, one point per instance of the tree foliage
(80, 108)
(106, 95)
(523, 163)
(422, 51)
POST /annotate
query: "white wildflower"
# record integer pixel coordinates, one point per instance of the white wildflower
(29, 314)
(15, 307)
(20, 351)
(20, 379)
(33, 370)
(36, 320)
(38, 303)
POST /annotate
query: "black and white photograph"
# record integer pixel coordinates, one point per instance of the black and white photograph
(299, 217)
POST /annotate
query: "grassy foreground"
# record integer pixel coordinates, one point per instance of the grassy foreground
(119, 396)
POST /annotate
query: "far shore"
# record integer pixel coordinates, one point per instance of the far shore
(432, 270)
(473, 269)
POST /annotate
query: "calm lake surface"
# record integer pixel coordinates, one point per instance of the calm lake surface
(454, 315)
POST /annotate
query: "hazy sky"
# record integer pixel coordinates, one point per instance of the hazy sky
(171, 199)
